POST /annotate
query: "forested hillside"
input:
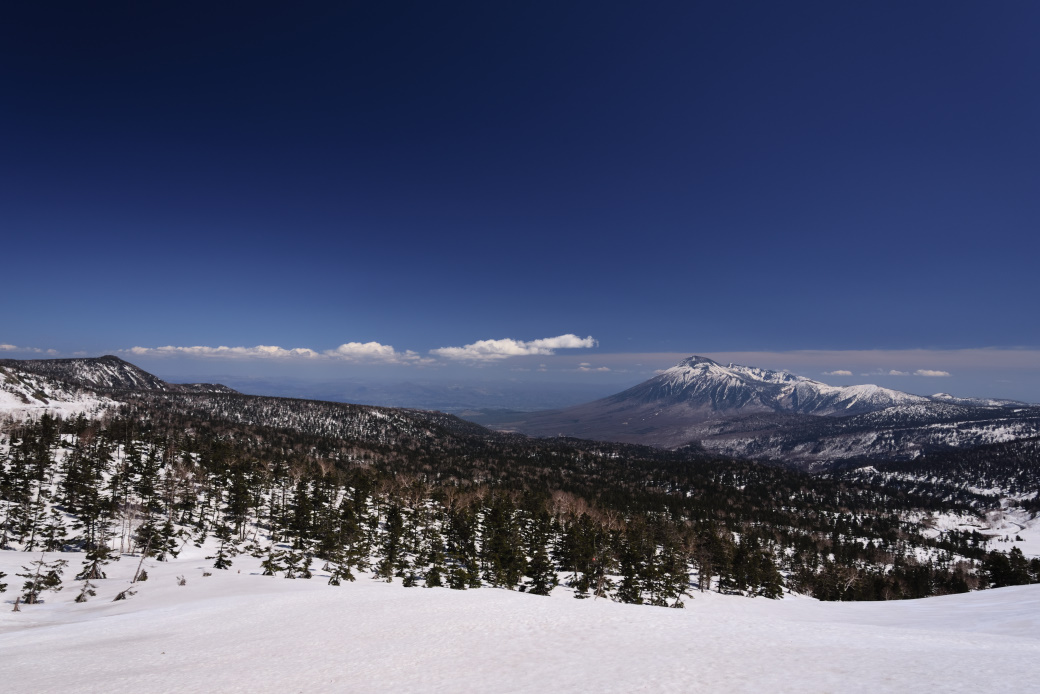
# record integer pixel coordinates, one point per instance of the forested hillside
(427, 500)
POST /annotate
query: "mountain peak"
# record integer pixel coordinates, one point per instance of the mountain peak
(695, 359)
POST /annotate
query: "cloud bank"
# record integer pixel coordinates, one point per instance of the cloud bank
(838, 372)
(33, 350)
(491, 350)
(371, 352)
(931, 373)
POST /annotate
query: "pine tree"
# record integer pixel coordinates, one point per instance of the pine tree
(771, 583)
(393, 561)
(502, 548)
(305, 566)
(227, 549)
(292, 563)
(52, 534)
(86, 591)
(338, 572)
(41, 576)
(96, 558)
(542, 572)
(1018, 568)
(434, 576)
(270, 565)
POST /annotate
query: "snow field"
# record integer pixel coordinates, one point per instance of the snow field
(242, 632)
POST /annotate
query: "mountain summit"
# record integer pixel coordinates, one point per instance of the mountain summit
(707, 386)
(752, 412)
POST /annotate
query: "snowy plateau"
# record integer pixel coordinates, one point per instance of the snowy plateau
(238, 631)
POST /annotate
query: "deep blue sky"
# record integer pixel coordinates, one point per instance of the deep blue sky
(666, 178)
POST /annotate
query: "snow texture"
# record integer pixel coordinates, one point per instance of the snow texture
(249, 633)
(25, 395)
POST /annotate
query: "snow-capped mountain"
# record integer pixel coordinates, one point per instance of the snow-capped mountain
(751, 412)
(705, 384)
(105, 373)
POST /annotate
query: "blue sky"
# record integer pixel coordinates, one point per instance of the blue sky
(773, 180)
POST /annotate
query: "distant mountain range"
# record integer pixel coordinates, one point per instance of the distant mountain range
(732, 410)
(751, 412)
(90, 386)
(105, 374)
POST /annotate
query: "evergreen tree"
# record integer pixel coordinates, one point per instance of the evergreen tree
(227, 547)
(502, 548)
(292, 561)
(41, 576)
(96, 558)
(393, 561)
(771, 582)
(339, 571)
(86, 591)
(542, 572)
(53, 535)
(270, 565)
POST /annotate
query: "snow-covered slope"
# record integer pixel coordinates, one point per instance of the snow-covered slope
(105, 373)
(238, 631)
(25, 394)
(976, 402)
(709, 384)
(746, 411)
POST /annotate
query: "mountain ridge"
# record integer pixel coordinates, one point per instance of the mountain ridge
(751, 412)
(106, 373)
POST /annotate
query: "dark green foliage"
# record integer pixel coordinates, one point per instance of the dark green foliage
(339, 571)
(41, 576)
(502, 554)
(1011, 569)
(227, 549)
(431, 500)
(270, 564)
(86, 591)
(93, 563)
(124, 594)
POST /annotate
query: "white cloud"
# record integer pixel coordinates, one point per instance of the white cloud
(931, 373)
(585, 366)
(258, 352)
(838, 372)
(34, 350)
(490, 350)
(895, 372)
(374, 351)
(349, 351)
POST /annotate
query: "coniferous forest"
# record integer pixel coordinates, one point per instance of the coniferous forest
(424, 499)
